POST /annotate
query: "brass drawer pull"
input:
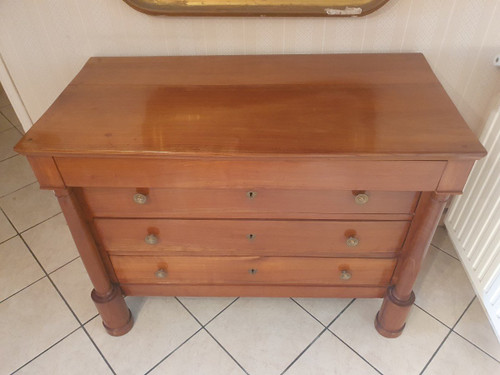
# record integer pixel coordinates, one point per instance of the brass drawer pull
(161, 274)
(352, 242)
(251, 194)
(361, 198)
(140, 198)
(151, 239)
(252, 271)
(251, 236)
(345, 275)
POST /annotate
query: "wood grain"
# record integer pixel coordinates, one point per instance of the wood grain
(268, 270)
(344, 106)
(268, 237)
(251, 174)
(268, 290)
(235, 203)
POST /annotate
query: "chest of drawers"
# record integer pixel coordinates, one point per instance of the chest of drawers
(310, 176)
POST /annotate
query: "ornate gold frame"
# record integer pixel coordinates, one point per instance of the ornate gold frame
(310, 8)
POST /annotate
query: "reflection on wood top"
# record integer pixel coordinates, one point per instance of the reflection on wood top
(387, 106)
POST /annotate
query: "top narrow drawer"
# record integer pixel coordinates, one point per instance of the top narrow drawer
(248, 174)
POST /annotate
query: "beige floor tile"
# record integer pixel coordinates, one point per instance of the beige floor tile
(74, 284)
(51, 242)
(4, 123)
(29, 206)
(264, 334)
(330, 356)
(407, 354)
(74, 355)
(161, 324)
(442, 287)
(6, 229)
(475, 327)
(324, 309)
(9, 113)
(458, 357)
(14, 174)
(4, 100)
(30, 322)
(200, 355)
(18, 268)
(205, 308)
(8, 140)
(442, 241)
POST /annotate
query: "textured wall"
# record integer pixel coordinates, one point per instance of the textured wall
(45, 42)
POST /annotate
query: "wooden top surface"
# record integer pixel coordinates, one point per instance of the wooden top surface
(386, 106)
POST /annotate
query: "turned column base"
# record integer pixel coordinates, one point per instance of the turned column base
(390, 321)
(116, 316)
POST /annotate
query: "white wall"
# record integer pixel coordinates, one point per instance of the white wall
(44, 43)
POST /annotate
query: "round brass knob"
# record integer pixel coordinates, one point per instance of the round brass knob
(361, 198)
(151, 239)
(352, 242)
(161, 274)
(251, 194)
(345, 275)
(140, 198)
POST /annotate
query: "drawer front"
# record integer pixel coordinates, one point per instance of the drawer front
(252, 270)
(252, 237)
(244, 203)
(251, 174)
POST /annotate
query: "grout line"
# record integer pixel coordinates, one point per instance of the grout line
(8, 239)
(446, 338)
(477, 347)
(432, 316)
(206, 330)
(89, 320)
(8, 157)
(305, 349)
(444, 251)
(46, 350)
(220, 312)
(303, 308)
(359, 355)
(173, 351)
(202, 327)
(229, 354)
(64, 265)
(98, 350)
(37, 224)
(20, 290)
(189, 312)
(61, 295)
(22, 187)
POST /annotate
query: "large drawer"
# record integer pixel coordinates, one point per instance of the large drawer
(252, 237)
(312, 173)
(252, 270)
(244, 203)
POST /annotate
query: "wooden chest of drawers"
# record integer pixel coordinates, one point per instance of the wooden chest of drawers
(311, 176)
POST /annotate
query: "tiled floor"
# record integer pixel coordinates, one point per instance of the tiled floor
(48, 324)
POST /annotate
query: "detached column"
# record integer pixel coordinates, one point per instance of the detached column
(116, 316)
(391, 319)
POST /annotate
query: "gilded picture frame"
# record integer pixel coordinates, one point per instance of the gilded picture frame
(276, 8)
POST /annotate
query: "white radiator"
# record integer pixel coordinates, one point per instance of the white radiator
(473, 223)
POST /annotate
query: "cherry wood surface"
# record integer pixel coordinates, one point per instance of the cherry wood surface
(251, 174)
(259, 290)
(245, 203)
(252, 270)
(343, 106)
(251, 237)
